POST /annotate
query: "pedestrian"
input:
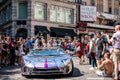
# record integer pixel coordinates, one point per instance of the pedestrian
(12, 52)
(107, 66)
(92, 52)
(115, 41)
(79, 53)
(100, 48)
(21, 51)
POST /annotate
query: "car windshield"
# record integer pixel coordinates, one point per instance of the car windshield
(46, 52)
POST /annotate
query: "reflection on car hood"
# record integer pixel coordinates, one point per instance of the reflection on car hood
(47, 61)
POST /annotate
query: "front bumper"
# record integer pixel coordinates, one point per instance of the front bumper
(49, 71)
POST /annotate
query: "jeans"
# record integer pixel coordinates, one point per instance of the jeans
(93, 61)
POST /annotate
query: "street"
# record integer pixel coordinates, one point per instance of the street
(81, 72)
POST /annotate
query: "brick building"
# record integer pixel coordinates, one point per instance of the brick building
(107, 14)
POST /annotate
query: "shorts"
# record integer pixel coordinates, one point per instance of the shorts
(99, 55)
(116, 54)
(100, 73)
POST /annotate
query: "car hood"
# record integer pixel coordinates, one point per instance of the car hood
(46, 61)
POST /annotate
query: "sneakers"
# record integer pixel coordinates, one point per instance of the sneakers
(95, 68)
(91, 68)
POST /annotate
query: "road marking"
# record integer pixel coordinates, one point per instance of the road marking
(95, 78)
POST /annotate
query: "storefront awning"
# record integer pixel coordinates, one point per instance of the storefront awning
(42, 29)
(63, 31)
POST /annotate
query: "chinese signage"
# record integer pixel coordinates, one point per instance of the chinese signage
(88, 13)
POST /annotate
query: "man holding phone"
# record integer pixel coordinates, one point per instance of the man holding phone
(115, 41)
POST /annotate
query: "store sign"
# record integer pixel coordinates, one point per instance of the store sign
(82, 26)
(88, 13)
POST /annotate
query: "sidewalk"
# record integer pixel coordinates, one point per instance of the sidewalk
(88, 74)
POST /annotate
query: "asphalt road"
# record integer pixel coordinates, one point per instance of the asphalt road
(81, 72)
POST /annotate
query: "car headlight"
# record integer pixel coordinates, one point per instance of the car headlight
(66, 61)
(28, 63)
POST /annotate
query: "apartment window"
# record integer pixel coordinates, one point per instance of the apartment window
(93, 2)
(100, 7)
(0, 18)
(4, 16)
(53, 13)
(116, 11)
(84, 3)
(110, 10)
(40, 11)
(23, 10)
(68, 16)
(61, 14)
(9, 15)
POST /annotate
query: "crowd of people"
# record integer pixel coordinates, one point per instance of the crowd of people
(102, 52)
(12, 50)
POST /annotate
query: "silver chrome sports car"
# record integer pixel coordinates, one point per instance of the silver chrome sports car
(47, 62)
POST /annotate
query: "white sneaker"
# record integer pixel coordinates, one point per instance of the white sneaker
(91, 68)
(95, 68)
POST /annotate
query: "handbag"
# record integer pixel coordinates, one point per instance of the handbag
(78, 49)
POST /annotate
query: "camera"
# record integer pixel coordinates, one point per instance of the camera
(114, 38)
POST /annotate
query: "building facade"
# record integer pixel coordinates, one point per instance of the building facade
(32, 17)
(107, 14)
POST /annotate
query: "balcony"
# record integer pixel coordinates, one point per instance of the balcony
(107, 16)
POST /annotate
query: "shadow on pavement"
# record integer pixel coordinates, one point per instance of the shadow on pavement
(76, 73)
(8, 70)
(6, 78)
